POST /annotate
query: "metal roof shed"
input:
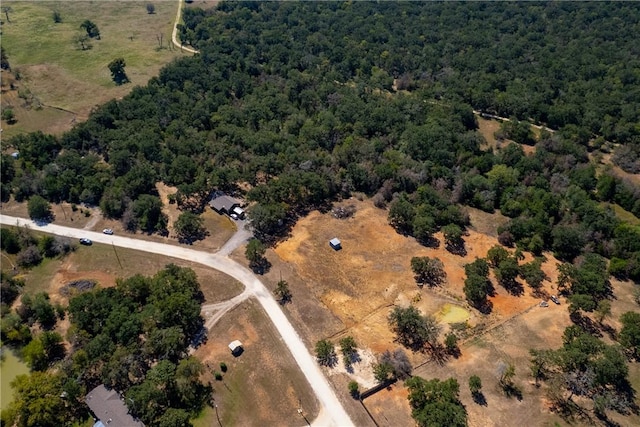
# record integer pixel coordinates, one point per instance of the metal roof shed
(335, 244)
(235, 347)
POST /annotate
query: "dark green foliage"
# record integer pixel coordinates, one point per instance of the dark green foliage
(475, 384)
(477, 285)
(436, 403)
(39, 208)
(507, 272)
(354, 389)
(630, 332)
(189, 227)
(255, 254)
(283, 292)
(9, 241)
(38, 402)
(428, 271)
(587, 282)
(326, 353)
(9, 288)
(119, 333)
(349, 350)
(413, 329)
(118, 75)
(147, 211)
(91, 29)
(533, 274)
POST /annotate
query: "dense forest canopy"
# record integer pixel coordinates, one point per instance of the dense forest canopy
(307, 102)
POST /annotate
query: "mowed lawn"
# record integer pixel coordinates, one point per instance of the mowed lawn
(60, 74)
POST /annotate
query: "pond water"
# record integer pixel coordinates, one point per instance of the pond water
(10, 367)
(450, 313)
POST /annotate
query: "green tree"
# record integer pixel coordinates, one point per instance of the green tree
(603, 310)
(436, 403)
(382, 372)
(507, 272)
(453, 239)
(91, 29)
(475, 385)
(189, 227)
(39, 209)
(532, 273)
(283, 292)
(326, 353)
(630, 332)
(151, 9)
(255, 254)
(428, 270)
(38, 402)
(413, 329)
(57, 17)
(401, 214)
(349, 350)
(147, 210)
(8, 115)
(118, 75)
(174, 417)
(496, 255)
(354, 389)
(451, 343)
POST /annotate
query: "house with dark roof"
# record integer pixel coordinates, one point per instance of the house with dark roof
(224, 204)
(110, 409)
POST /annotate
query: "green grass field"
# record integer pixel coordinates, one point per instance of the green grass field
(60, 74)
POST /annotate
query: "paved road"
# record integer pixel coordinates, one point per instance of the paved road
(332, 412)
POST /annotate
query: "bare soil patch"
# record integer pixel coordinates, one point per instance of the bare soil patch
(263, 386)
(351, 291)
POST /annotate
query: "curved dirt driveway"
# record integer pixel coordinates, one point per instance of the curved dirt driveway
(331, 411)
(174, 34)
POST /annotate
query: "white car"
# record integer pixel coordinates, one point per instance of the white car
(233, 216)
(107, 231)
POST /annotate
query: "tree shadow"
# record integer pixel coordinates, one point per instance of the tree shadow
(261, 267)
(429, 242)
(514, 288)
(511, 390)
(485, 307)
(457, 249)
(479, 398)
(585, 323)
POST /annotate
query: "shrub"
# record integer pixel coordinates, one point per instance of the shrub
(223, 367)
(354, 389)
(29, 257)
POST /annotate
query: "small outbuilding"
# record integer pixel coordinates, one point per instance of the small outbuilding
(236, 347)
(335, 244)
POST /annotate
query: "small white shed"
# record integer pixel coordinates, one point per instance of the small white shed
(235, 347)
(335, 244)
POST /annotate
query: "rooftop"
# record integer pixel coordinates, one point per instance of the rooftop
(223, 202)
(110, 408)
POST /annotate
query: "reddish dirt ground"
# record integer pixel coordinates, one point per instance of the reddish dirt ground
(359, 285)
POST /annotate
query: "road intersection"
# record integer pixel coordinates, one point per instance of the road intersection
(332, 413)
